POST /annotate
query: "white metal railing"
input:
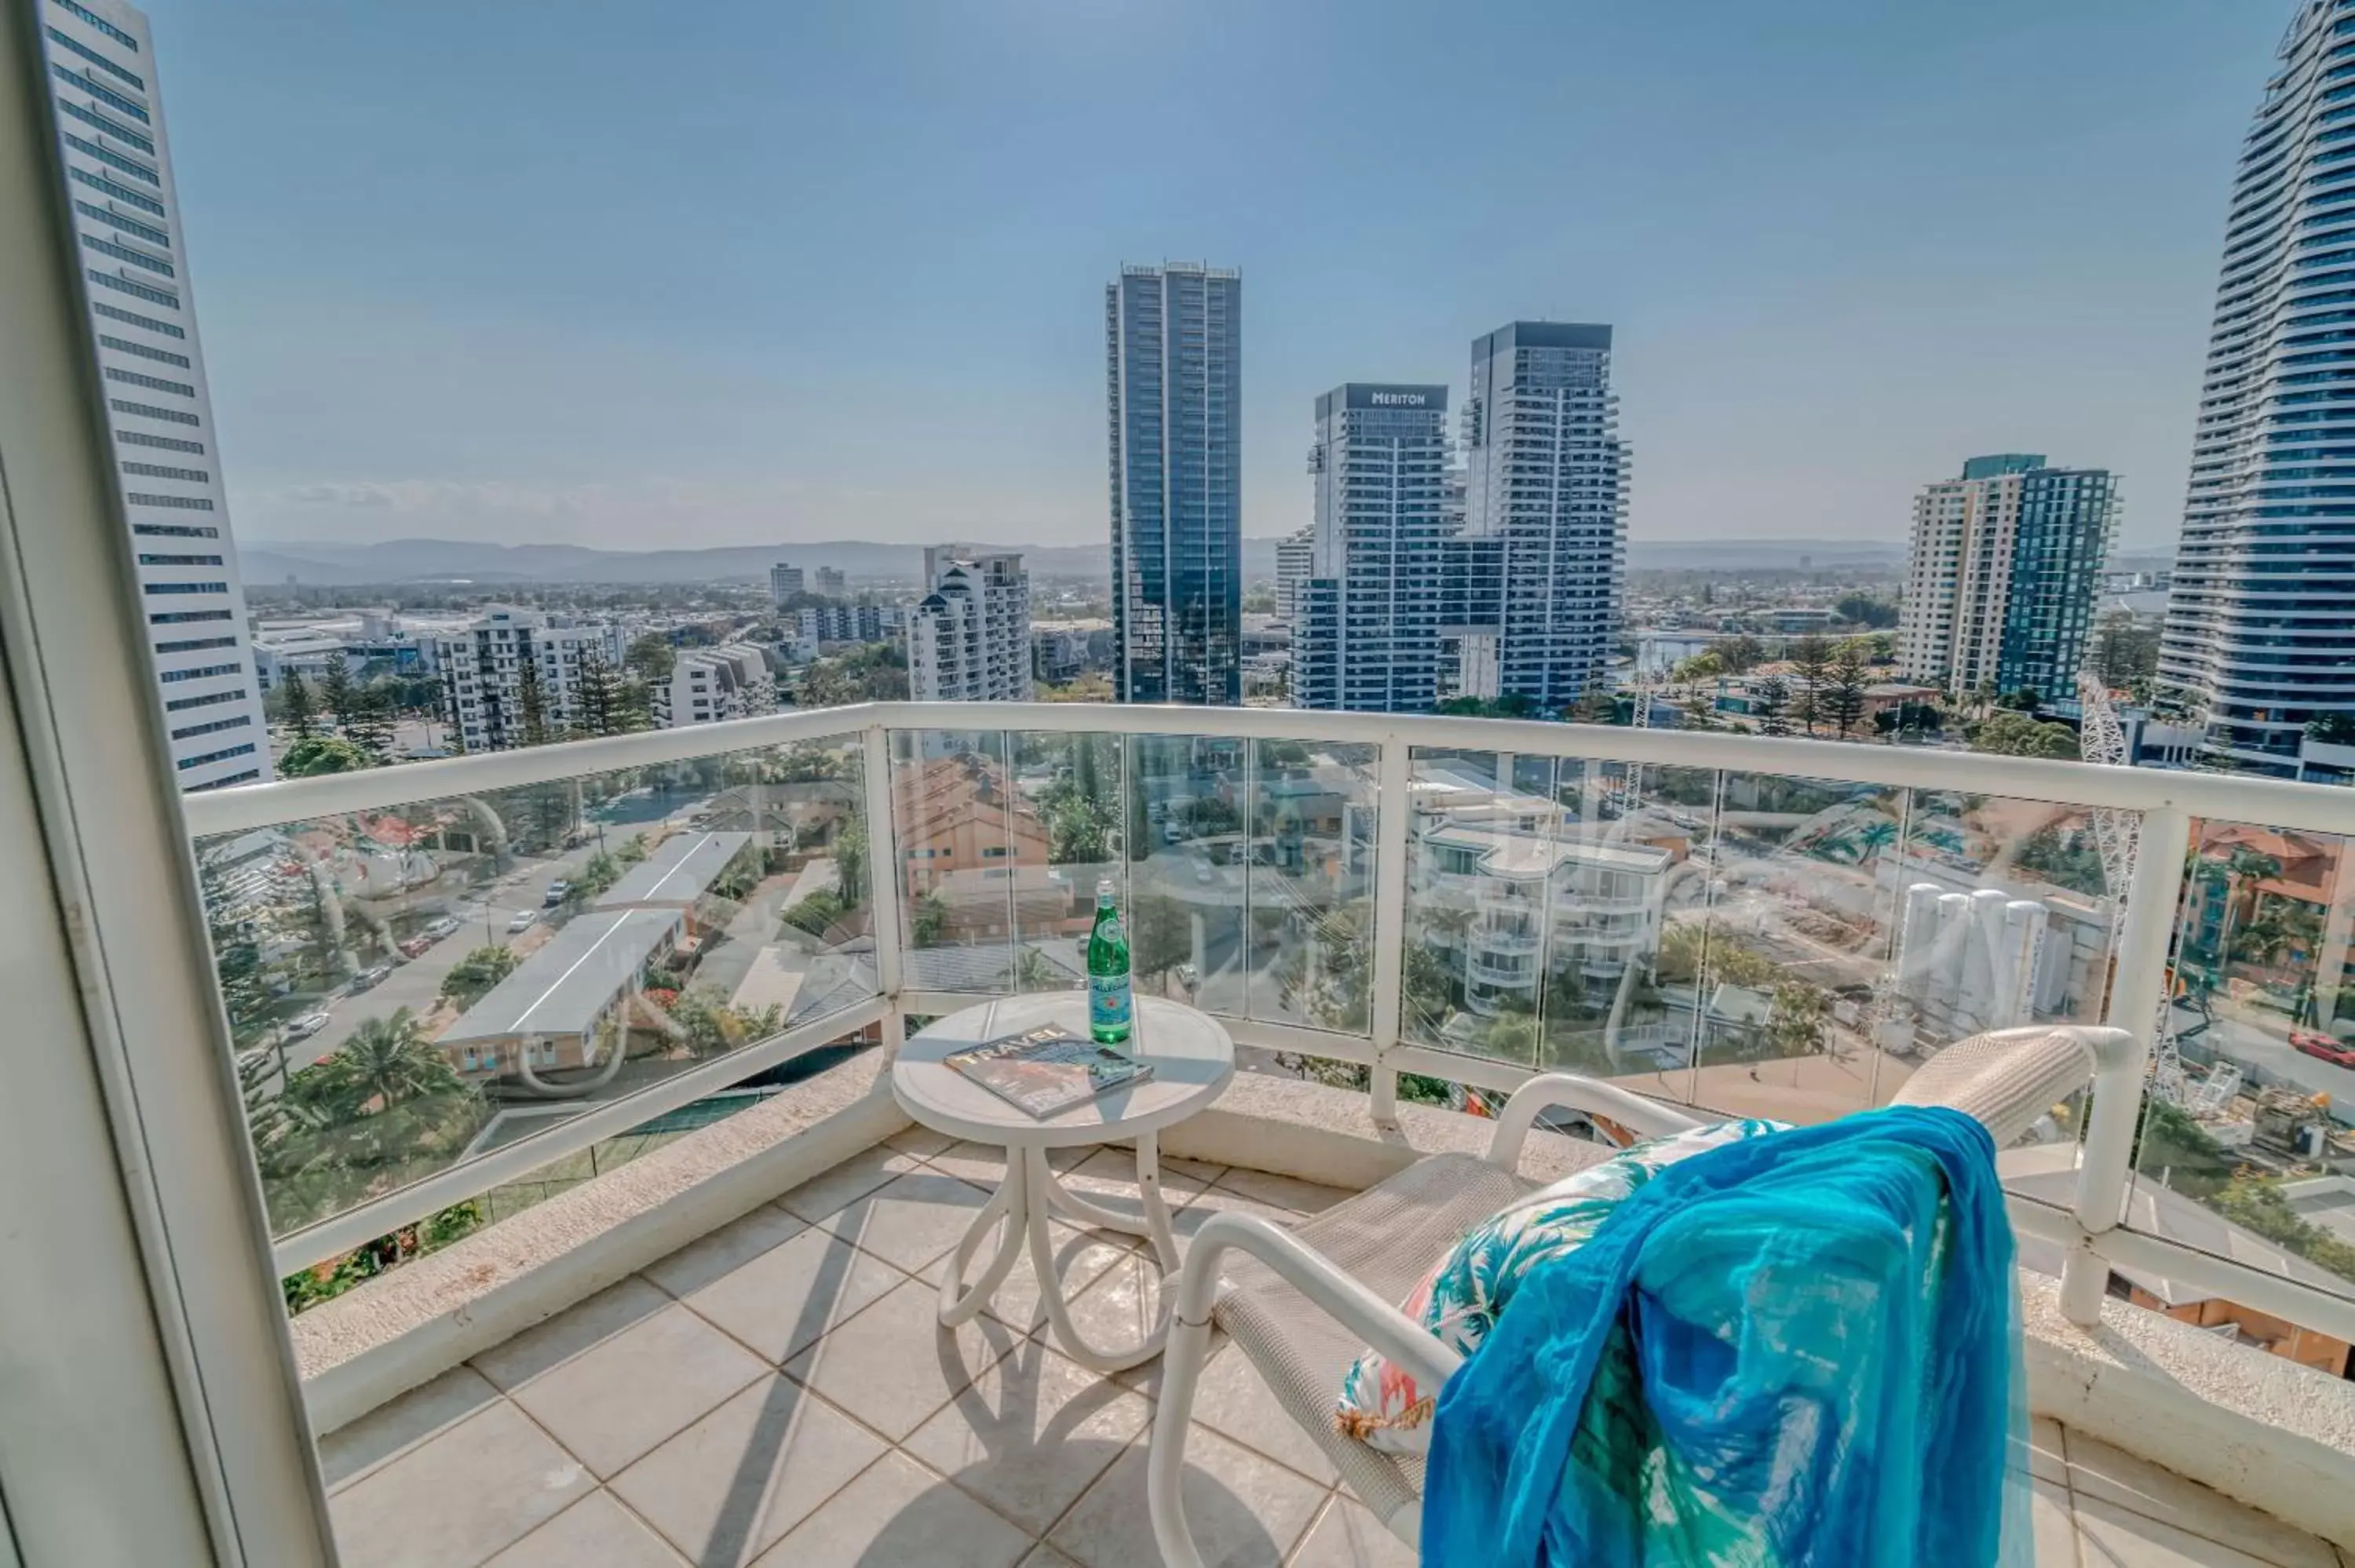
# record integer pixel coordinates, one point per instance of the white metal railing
(2091, 1229)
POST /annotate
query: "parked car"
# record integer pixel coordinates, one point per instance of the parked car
(2326, 1047)
(303, 1028)
(369, 979)
(556, 891)
(524, 920)
(415, 946)
(437, 929)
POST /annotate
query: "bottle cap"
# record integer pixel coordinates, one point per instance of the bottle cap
(1103, 887)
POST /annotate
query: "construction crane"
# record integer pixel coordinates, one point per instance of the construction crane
(2118, 836)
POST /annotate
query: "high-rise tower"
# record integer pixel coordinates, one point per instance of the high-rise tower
(2262, 609)
(110, 118)
(1173, 350)
(2002, 575)
(1545, 513)
(1365, 632)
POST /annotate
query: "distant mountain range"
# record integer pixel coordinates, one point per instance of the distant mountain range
(319, 563)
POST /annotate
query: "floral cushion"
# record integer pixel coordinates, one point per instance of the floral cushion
(1459, 1299)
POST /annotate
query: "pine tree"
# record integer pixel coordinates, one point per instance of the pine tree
(1845, 679)
(343, 699)
(1768, 699)
(296, 704)
(531, 705)
(1811, 661)
(370, 726)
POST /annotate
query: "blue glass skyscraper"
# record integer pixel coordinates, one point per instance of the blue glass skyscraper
(2262, 613)
(1173, 348)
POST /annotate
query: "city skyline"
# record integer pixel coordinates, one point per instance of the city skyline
(1776, 296)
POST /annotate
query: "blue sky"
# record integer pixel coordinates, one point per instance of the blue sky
(738, 273)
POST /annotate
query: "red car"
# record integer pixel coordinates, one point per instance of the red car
(2329, 1048)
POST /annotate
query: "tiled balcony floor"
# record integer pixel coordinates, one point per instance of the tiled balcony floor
(780, 1392)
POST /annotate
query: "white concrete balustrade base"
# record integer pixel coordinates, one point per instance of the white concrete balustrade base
(780, 1392)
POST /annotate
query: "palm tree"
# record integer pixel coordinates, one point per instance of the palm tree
(389, 1060)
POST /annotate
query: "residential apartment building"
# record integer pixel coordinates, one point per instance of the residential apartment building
(118, 162)
(1173, 348)
(820, 625)
(1529, 890)
(2263, 599)
(831, 582)
(485, 693)
(1540, 578)
(2003, 575)
(708, 684)
(785, 584)
(1367, 631)
(969, 636)
(1295, 553)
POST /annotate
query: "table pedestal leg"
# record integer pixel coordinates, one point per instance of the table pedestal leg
(1009, 1203)
(1041, 1194)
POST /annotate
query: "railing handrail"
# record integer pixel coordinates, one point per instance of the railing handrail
(2166, 801)
(2319, 807)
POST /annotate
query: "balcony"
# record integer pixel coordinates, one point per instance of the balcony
(700, 1311)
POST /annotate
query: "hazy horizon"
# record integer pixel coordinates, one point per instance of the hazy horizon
(733, 275)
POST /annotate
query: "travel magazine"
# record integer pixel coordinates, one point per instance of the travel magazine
(1047, 1070)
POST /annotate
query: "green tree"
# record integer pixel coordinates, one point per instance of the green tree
(850, 863)
(651, 657)
(386, 1062)
(2123, 655)
(317, 754)
(2332, 728)
(604, 699)
(1865, 610)
(1770, 697)
(1811, 662)
(473, 976)
(2010, 734)
(341, 695)
(928, 916)
(1740, 654)
(1846, 681)
(296, 705)
(876, 672)
(370, 728)
(531, 700)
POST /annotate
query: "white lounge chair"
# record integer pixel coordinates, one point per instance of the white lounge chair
(1304, 1302)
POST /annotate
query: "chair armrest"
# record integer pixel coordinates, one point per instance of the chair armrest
(1644, 1117)
(2006, 1078)
(1309, 1271)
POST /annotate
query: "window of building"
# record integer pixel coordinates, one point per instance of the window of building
(185, 617)
(200, 672)
(133, 319)
(188, 762)
(149, 411)
(124, 253)
(103, 93)
(129, 226)
(193, 644)
(136, 291)
(76, 46)
(182, 587)
(114, 128)
(161, 356)
(169, 443)
(118, 193)
(176, 503)
(100, 23)
(157, 471)
(242, 721)
(205, 701)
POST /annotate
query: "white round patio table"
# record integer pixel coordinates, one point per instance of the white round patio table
(1192, 1060)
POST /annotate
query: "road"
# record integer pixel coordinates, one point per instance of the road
(2262, 1040)
(417, 984)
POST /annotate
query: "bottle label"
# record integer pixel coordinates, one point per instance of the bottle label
(1108, 1002)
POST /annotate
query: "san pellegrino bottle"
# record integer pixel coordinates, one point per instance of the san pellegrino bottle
(1111, 1003)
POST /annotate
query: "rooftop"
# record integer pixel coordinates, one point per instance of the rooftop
(563, 986)
(677, 873)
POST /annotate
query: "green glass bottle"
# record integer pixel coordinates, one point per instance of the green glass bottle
(1111, 1004)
